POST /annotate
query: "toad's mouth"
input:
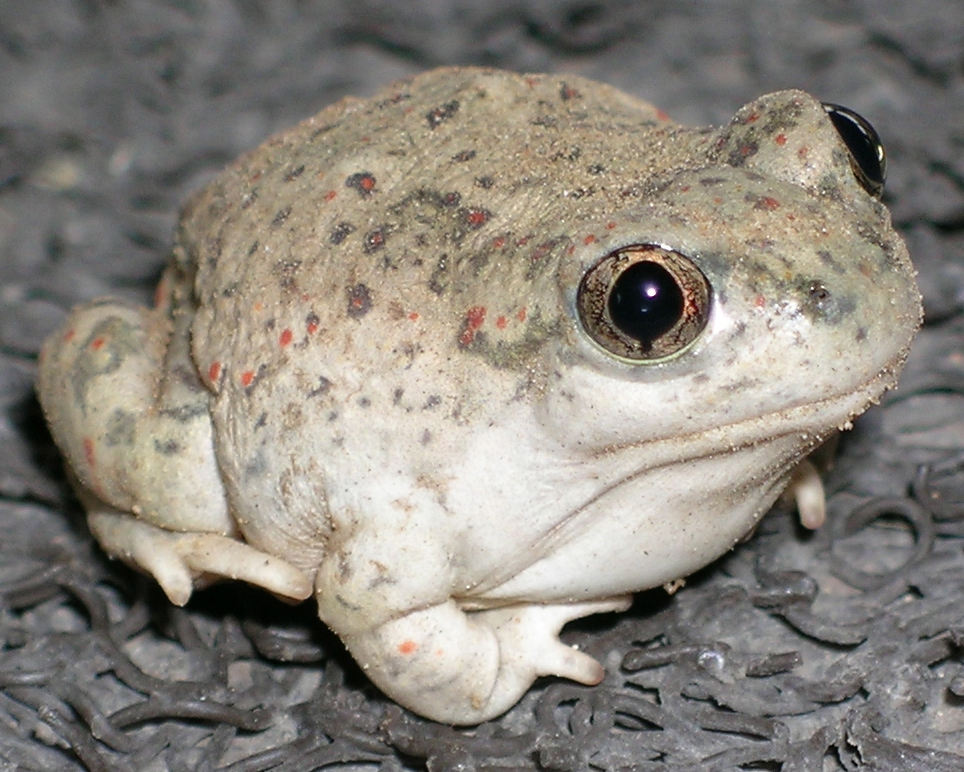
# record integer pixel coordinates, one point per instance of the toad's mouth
(813, 422)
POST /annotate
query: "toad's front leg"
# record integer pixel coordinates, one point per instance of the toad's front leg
(450, 665)
(126, 407)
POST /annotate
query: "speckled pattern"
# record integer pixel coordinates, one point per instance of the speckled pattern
(365, 376)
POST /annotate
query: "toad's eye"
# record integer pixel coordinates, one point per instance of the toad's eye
(867, 157)
(644, 302)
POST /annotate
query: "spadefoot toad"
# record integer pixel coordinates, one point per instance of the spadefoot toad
(483, 354)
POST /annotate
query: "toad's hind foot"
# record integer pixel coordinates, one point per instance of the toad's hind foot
(463, 668)
(180, 561)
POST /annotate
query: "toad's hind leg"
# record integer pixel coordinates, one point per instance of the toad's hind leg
(127, 409)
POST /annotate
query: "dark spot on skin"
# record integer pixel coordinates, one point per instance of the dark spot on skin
(184, 413)
(434, 400)
(397, 395)
(375, 239)
(435, 282)
(333, 416)
(567, 155)
(363, 182)
(364, 402)
(861, 334)
(345, 603)
(359, 301)
(295, 173)
(828, 260)
(739, 155)
(426, 437)
(167, 447)
(484, 182)
(566, 92)
(341, 232)
(708, 182)
(254, 247)
(546, 121)
(120, 428)
(596, 169)
(287, 272)
(323, 387)
(249, 198)
(451, 199)
(440, 115)
(280, 217)
(262, 421)
(463, 156)
(322, 130)
(251, 378)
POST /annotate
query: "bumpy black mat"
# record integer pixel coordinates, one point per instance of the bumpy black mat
(842, 650)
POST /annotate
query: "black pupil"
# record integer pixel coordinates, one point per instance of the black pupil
(862, 146)
(645, 302)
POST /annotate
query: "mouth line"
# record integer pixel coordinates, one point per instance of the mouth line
(809, 418)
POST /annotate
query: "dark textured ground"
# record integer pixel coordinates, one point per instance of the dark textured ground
(840, 651)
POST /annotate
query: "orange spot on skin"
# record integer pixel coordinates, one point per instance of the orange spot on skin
(311, 324)
(258, 306)
(474, 319)
(247, 377)
(662, 116)
(589, 239)
(501, 322)
(69, 335)
(610, 225)
(285, 338)
(753, 118)
(499, 242)
(780, 139)
(214, 372)
(760, 301)
(521, 316)
(407, 647)
(570, 250)
(97, 344)
(769, 203)
(413, 316)
(331, 195)
(89, 451)
(476, 217)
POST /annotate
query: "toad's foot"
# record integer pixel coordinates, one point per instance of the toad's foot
(463, 668)
(181, 561)
(807, 492)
